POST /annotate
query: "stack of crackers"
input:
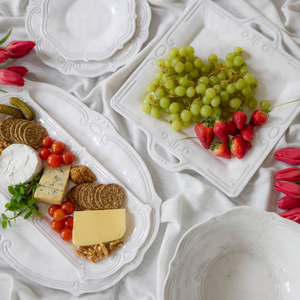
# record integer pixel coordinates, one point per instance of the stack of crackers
(22, 131)
(96, 196)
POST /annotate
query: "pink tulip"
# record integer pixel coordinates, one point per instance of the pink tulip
(18, 69)
(3, 55)
(287, 202)
(8, 77)
(290, 212)
(18, 49)
(290, 156)
(292, 190)
(289, 174)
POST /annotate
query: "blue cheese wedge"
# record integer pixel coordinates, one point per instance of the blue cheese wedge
(19, 164)
(53, 184)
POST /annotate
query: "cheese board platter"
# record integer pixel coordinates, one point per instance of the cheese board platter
(101, 132)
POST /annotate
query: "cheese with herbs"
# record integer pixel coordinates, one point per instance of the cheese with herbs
(98, 226)
(19, 164)
(53, 184)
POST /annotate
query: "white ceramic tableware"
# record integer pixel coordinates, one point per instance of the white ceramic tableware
(95, 133)
(80, 68)
(210, 29)
(245, 253)
(88, 29)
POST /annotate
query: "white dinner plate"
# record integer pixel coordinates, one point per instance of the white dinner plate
(244, 253)
(210, 29)
(88, 29)
(94, 132)
(93, 69)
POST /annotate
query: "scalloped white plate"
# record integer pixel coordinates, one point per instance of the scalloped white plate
(244, 253)
(88, 29)
(97, 134)
(210, 29)
(80, 68)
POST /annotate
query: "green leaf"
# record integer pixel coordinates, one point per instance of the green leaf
(9, 223)
(28, 215)
(3, 40)
(7, 205)
(3, 91)
(19, 198)
(4, 217)
(12, 191)
(34, 211)
(4, 224)
(22, 190)
(31, 201)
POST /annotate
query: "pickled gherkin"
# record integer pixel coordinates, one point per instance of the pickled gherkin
(11, 111)
(25, 108)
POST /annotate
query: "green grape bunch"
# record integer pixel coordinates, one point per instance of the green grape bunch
(189, 89)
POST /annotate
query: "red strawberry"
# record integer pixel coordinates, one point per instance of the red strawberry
(221, 150)
(259, 117)
(248, 145)
(231, 128)
(247, 132)
(239, 119)
(238, 147)
(205, 134)
(221, 130)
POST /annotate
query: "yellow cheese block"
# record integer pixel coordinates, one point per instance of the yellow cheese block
(55, 178)
(98, 226)
(48, 195)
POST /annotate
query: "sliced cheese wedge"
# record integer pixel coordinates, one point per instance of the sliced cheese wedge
(98, 226)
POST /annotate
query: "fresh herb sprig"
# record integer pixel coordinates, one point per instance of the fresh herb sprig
(22, 201)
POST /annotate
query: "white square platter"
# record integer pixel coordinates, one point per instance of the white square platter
(94, 132)
(210, 29)
(244, 253)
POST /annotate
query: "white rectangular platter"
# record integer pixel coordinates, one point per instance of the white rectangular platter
(137, 213)
(209, 29)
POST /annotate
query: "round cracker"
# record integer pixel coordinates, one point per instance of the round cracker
(92, 196)
(71, 197)
(16, 132)
(22, 129)
(5, 128)
(112, 196)
(84, 196)
(81, 193)
(34, 134)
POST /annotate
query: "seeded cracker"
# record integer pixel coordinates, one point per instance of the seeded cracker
(83, 195)
(34, 135)
(71, 197)
(17, 126)
(1, 136)
(112, 196)
(78, 195)
(92, 195)
(12, 130)
(22, 129)
(5, 128)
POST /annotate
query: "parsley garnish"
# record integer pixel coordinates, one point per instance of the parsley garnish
(22, 201)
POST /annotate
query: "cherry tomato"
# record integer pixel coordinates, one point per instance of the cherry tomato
(44, 153)
(68, 221)
(67, 207)
(47, 141)
(66, 234)
(57, 225)
(67, 158)
(54, 160)
(52, 209)
(59, 214)
(57, 147)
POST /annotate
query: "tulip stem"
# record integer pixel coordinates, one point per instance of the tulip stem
(284, 103)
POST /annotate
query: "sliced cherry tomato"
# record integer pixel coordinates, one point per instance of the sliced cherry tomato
(57, 147)
(67, 158)
(57, 225)
(47, 141)
(54, 160)
(66, 234)
(59, 214)
(44, 153)
(67, 207)
(68, 221)
(52, 209)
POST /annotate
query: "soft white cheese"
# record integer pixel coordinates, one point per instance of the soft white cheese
(19, 164)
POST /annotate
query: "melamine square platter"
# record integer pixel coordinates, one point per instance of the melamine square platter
(210, 29)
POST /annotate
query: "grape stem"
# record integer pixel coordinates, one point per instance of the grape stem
(284, 103)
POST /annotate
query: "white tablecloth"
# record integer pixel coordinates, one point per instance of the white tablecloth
(187, 197)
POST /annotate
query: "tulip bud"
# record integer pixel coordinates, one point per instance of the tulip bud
(18, 49)
(290, 156)
(292, 190)
(287, 202)
(290, 212)
(3, 55)
(289, 174)
(8, 77)
(18, 69)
